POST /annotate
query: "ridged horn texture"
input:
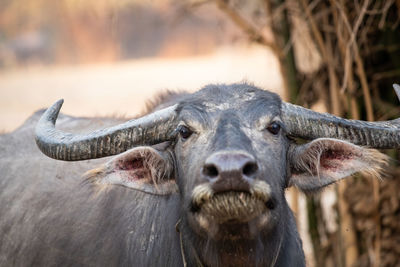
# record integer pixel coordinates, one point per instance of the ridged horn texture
(308, 124)
(150, 129)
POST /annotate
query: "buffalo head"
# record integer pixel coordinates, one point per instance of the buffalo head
(229, 151)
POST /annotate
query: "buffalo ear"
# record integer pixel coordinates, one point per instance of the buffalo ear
(142, 168)
(325, 161)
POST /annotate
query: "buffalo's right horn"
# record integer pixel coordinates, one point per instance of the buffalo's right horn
(150, 129)
(308, 124)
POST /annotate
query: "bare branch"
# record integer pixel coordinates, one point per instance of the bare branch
(253, 33)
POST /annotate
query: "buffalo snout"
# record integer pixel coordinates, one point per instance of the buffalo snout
(230, 171)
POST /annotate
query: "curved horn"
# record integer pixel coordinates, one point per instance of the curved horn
(148, 130)
(308, 124)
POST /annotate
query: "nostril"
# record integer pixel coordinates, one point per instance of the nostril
(210, 171)
(250, 168)
(270, 204)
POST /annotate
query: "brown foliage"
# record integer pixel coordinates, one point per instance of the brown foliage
(362, 207)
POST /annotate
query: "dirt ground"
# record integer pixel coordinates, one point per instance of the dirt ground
(122, 88)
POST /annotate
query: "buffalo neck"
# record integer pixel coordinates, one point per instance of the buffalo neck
(279, 246)
(202, 251)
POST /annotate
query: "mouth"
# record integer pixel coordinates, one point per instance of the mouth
(231, 207)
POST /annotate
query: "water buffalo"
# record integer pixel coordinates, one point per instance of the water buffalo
(197, 181)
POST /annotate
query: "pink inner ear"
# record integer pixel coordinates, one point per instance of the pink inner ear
(133, 164)
(332, 159)
(133, 169)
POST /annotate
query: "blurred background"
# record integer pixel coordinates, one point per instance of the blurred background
(106, 57)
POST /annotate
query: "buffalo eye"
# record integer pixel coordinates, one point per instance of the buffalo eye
(184, 132)
(274, 128)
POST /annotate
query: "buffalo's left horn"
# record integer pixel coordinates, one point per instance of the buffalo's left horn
(308, 124)
(148, 130)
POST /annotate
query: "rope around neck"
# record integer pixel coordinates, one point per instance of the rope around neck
(184, 253)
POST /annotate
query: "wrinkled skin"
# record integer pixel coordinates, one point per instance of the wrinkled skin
(220, 183)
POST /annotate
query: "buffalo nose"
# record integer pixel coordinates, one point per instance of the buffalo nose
(230, 171)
